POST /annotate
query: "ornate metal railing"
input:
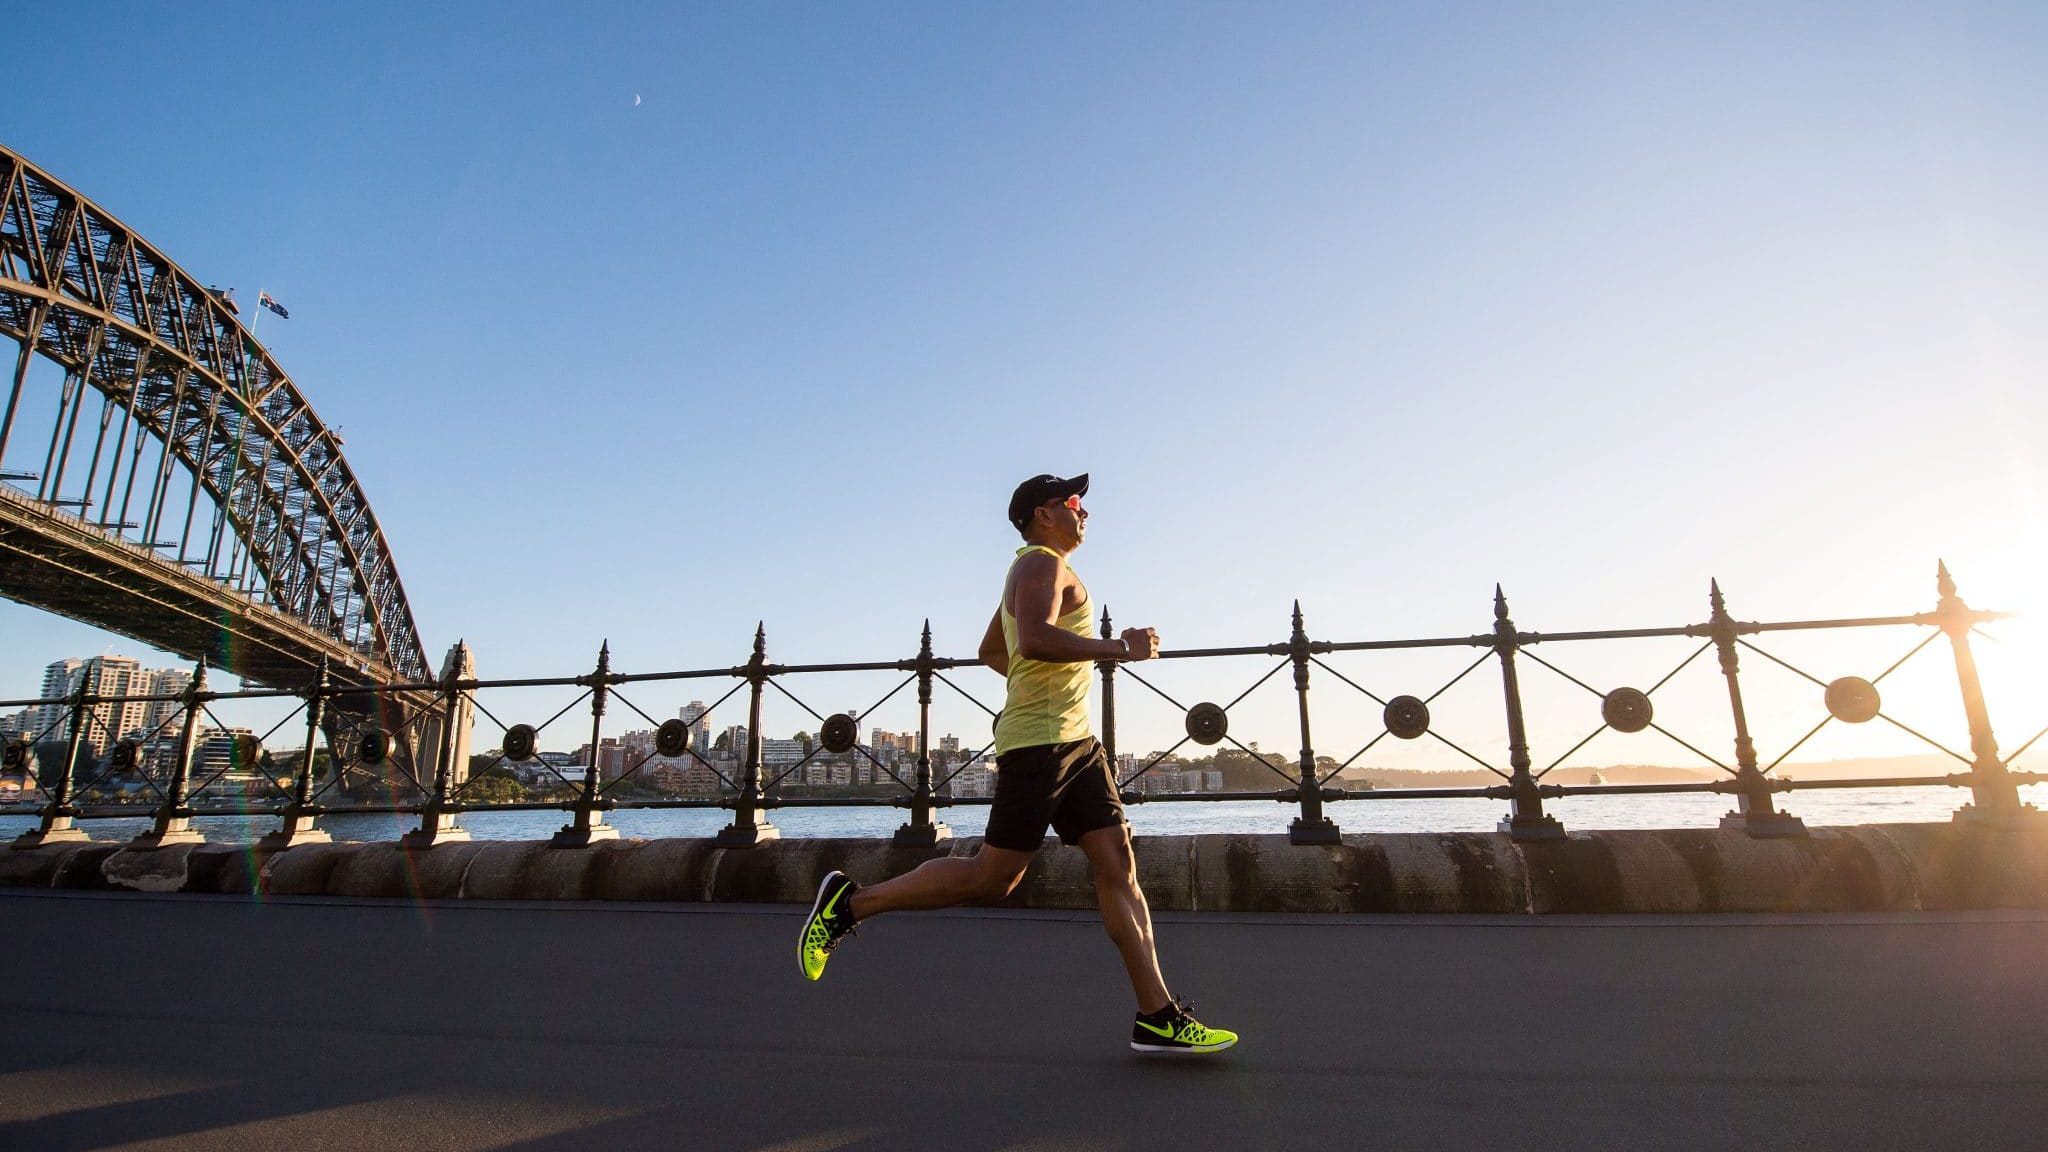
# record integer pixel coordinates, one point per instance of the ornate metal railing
(404, 748)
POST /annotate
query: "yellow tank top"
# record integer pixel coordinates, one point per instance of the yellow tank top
(1046, 703)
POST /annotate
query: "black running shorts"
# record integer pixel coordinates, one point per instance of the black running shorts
(1069, 786)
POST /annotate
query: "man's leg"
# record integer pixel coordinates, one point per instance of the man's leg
(1125, 915)
(983, 878)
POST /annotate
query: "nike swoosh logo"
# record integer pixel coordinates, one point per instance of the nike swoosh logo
(1155, 1029)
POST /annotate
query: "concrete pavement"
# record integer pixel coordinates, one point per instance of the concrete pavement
(185, 1022)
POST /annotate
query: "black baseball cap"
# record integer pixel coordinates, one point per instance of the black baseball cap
(1042, 489)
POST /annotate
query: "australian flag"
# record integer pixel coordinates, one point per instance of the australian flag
(264, 298)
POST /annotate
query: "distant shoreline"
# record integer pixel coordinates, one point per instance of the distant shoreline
(1873, 768)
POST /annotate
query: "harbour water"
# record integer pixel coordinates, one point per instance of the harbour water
(1819, 808)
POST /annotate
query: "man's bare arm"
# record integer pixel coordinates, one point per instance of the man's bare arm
(1037, 609)
(994, 652)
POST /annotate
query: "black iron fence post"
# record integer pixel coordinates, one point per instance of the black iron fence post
(1312, 826)
(437, 815)
(58, 821)
(588, 825)
(922, 831)
(295, 823)
(1755, 812)
(173, 821)
(1994, 798)
(1525, 820)
(750, 826)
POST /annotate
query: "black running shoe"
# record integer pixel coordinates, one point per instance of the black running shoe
(1174, 1029)
(831, 921)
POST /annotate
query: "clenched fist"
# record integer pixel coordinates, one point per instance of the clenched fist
(1142, 642)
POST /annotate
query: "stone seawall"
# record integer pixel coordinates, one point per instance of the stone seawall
(1885, 867)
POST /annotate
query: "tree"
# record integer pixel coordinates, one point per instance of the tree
(494, 786)
(1243, 773)
(804, 738)
(723, 743)
(636, 786)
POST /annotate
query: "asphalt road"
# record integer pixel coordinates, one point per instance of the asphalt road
(187, 1023)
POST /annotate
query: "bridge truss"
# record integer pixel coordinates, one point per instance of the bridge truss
(205, 507)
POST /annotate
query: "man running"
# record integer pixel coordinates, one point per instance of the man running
(1049, 770)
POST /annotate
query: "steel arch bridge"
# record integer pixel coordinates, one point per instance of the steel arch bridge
(205, 508)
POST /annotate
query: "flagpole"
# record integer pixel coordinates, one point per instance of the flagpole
(253, 359)
(250, 355)
(248, 561)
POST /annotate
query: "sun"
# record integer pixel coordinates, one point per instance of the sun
(2012, 655)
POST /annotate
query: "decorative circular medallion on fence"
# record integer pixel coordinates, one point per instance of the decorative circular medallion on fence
(672, 738)
(1207, 723)
(126, 754)
(839, 733)
(14, 758)
(520, 741)
(1627, 710)
(373, 746)
(1406, 717)
(1853, 700)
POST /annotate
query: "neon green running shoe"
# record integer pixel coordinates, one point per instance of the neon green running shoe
(831, 921)
(1174, 1029)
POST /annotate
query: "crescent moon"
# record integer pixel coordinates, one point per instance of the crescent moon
(636, 99)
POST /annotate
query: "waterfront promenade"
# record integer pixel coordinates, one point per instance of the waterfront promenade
(225, 1023)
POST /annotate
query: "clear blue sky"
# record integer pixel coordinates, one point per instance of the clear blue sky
(1371, 306)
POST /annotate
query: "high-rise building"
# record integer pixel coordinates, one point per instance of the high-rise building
(106, 724)
(229, 752)
(115, 720)
(161, 716)
(736, 741)
(103, 724)
(697, 717)
(611, 760)
(781, 753)
(60, 679)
